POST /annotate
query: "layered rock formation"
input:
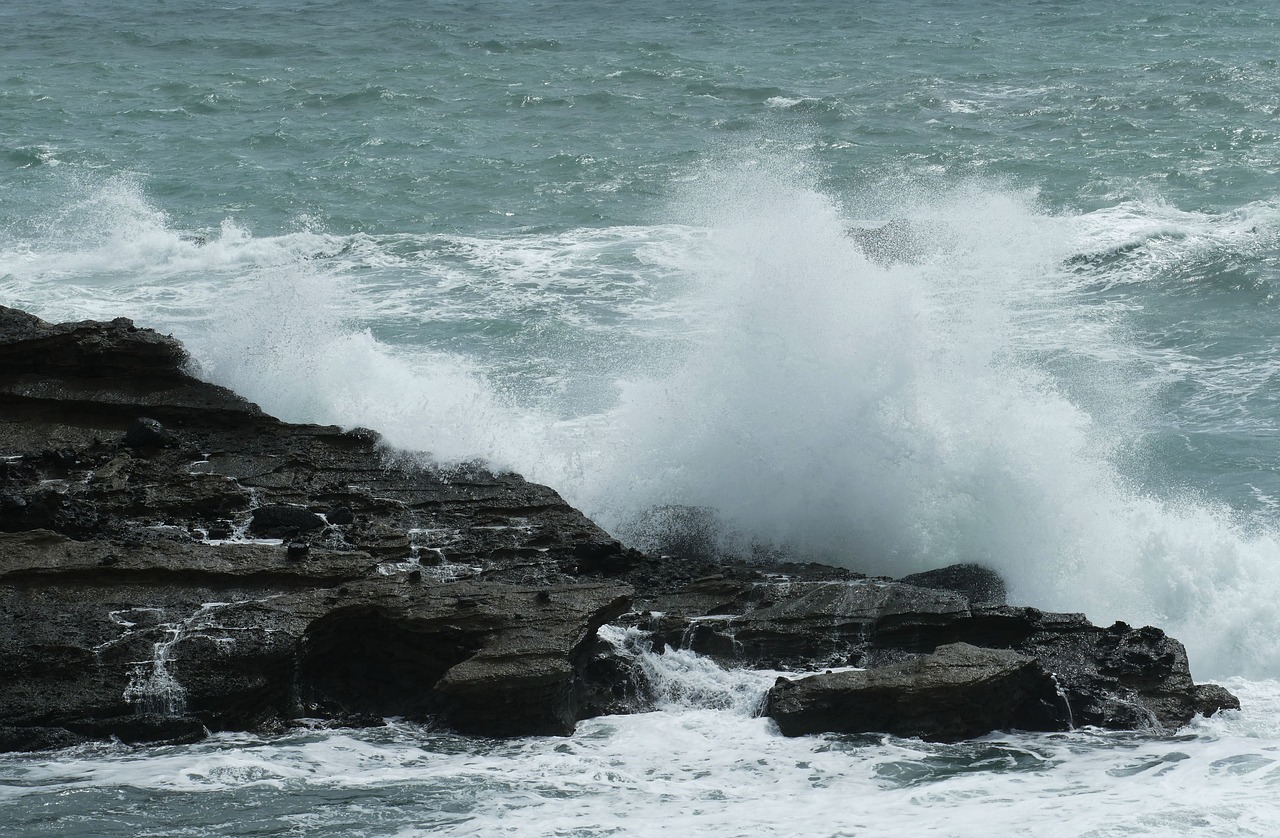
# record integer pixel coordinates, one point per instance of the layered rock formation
(173, 561)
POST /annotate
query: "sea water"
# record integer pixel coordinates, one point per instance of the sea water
(609, 246)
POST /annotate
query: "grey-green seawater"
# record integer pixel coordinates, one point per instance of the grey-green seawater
(606, 244)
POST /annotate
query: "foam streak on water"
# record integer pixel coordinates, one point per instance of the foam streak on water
(685, 769)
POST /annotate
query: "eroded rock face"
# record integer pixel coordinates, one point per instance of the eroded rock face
(174, 560)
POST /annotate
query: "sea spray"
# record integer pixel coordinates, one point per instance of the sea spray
(894, 418)
(485, 192)
(966, 402)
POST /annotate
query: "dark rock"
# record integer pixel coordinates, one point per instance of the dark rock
(608, 557)
(486, 668)
(340, 515)
(146, 433)
(105, 542)
(276, 644)
(787, 624)
(611, 684)
(959, 691)
(14, 505)
(982, 585)
(1210, 698)
(35, 738)
(143, 729)
(274, 519)
(895, 241)
(298, 551)
(86, 350)
(1119, 677)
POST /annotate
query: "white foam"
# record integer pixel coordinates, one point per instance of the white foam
(788, 101)
(696, 771)
(686, 681)
(887, 418)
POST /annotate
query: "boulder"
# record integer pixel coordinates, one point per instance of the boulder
(957, 692)
(146, 433)
(273, 520)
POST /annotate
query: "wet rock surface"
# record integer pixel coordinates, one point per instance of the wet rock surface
(173, 560)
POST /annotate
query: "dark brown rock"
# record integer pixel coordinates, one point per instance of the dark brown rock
(1117, 677)
(1210, 698)
(273, 519)
(957, 692)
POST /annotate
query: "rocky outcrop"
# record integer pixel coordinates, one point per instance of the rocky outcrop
(1117, 677)
(173, 560)
(982, 585)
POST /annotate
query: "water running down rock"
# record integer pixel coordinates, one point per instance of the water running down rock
(162, 538)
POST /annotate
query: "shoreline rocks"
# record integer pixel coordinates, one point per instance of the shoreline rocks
(173, 560)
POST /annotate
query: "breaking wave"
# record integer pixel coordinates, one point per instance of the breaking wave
(954, 397)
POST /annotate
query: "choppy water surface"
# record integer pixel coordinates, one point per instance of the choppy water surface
(608, 246)
(683, 769)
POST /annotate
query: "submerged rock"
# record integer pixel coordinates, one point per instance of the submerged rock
(897, 241)
(173, 560)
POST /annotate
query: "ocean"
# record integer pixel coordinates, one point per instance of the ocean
(623, 249)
